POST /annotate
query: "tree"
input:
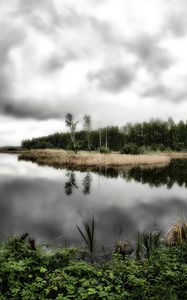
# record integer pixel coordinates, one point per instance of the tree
(87, 128)
(72, 126)
(106, 140)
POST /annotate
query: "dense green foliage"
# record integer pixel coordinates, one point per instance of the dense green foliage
(131, 149)
(153, 135)
(30, 273)
(104, 150)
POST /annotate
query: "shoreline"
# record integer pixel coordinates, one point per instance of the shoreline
(60, 158)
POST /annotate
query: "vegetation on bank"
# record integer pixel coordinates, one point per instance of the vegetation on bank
(155, 269)
(60, 158)
(10, 149)
(137, 138)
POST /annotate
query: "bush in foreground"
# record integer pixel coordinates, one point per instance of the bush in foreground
(28, 272)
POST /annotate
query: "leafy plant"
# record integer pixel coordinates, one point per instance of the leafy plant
(28, 275)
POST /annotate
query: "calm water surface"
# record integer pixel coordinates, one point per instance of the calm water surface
(48, 203)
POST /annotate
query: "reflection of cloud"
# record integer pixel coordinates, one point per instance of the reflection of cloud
(165, 211)
(38, 204)
(40, 208)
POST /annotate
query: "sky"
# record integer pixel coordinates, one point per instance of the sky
(119, 61)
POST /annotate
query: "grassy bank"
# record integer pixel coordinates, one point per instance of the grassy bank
(29, 272)
(61, 158)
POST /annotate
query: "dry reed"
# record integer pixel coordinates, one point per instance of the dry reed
(83, 158)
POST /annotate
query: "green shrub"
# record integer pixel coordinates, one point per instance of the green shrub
(104, 150)
(180, 146)
(27, 274)
(157, 147)
(131, 149)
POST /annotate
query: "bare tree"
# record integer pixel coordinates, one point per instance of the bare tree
(72, 126)
(87, 128)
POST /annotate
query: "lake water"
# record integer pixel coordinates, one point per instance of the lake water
(48, 202)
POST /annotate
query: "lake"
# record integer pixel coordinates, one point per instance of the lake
(49, 202)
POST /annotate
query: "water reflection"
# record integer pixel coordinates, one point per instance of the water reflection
(70, 183)
(155, 176)
(87, 184)
(48, 202)
(175, 172)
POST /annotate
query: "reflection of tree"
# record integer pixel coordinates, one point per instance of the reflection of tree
(70, 184)
(87, 184)
(175, 172)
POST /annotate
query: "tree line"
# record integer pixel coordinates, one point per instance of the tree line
(130, 138)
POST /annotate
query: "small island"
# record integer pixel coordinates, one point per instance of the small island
(149, 143)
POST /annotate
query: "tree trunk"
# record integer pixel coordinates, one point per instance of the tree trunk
(100, 139)
(106, 139)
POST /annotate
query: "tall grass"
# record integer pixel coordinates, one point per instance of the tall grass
(151, 241)
(147, 243)
(88, 234)
(177, 234)
(61, 158)
(138, 250)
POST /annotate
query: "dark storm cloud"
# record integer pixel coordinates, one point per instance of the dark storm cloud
(32, 11)
(10, 38)
(168, 93)
(67, 19)
(57, 62)
(97, 39)
(29, 109)
(156, 90)
(149, 53)
(113, 79)
(44, 109)
(175, 22)
(176, 25)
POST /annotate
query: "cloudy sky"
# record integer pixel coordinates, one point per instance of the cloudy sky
(119, 61)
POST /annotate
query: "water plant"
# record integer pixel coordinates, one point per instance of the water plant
(138, 250)
(151, 241)
(88, 234)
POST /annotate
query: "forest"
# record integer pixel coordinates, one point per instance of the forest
(155, 135)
